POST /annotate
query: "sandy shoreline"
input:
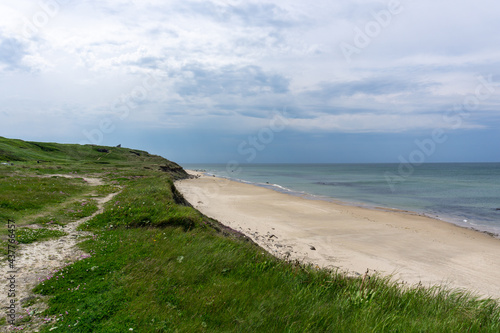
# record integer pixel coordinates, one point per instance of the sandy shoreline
(413, 248)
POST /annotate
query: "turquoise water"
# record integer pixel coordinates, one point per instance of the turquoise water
(467, 194)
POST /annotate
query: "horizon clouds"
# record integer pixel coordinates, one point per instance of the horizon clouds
(357, 81)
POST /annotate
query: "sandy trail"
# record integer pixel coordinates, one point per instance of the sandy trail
(414, 248)
(38, 260)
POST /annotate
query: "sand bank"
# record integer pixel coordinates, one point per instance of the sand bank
(413, 248)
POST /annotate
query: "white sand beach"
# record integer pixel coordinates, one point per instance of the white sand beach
(413, 248)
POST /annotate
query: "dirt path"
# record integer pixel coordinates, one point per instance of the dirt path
(38, 260)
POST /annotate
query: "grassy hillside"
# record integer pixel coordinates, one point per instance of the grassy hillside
(83, 158)
(155, 264)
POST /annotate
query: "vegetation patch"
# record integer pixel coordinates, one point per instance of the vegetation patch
(148, 202)
(28, 235)
(22, 196)
(81, 209)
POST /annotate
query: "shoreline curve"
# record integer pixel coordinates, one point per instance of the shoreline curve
(410, 247)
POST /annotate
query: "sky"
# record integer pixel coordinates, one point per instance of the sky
(256, 81)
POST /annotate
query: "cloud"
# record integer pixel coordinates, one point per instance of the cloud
(368, 86)
(222, 62)
(377, 123)
(246, 14)
(230, 80)
(12, 52)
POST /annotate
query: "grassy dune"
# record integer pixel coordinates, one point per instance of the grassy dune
(158, 265)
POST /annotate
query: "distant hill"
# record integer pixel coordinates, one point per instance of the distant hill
(19, 151)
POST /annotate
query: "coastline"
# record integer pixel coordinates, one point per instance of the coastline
(409, 246)
(463, 194)
(308, 196)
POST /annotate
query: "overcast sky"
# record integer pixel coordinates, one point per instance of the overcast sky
(256, 80)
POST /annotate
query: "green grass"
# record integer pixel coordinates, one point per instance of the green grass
(50, 158)
(158, 265)
(23, 195)
(27, 235)
(27, 198)
(150, 202)
(66, 213)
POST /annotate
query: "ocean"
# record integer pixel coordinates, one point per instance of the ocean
(466, 194)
